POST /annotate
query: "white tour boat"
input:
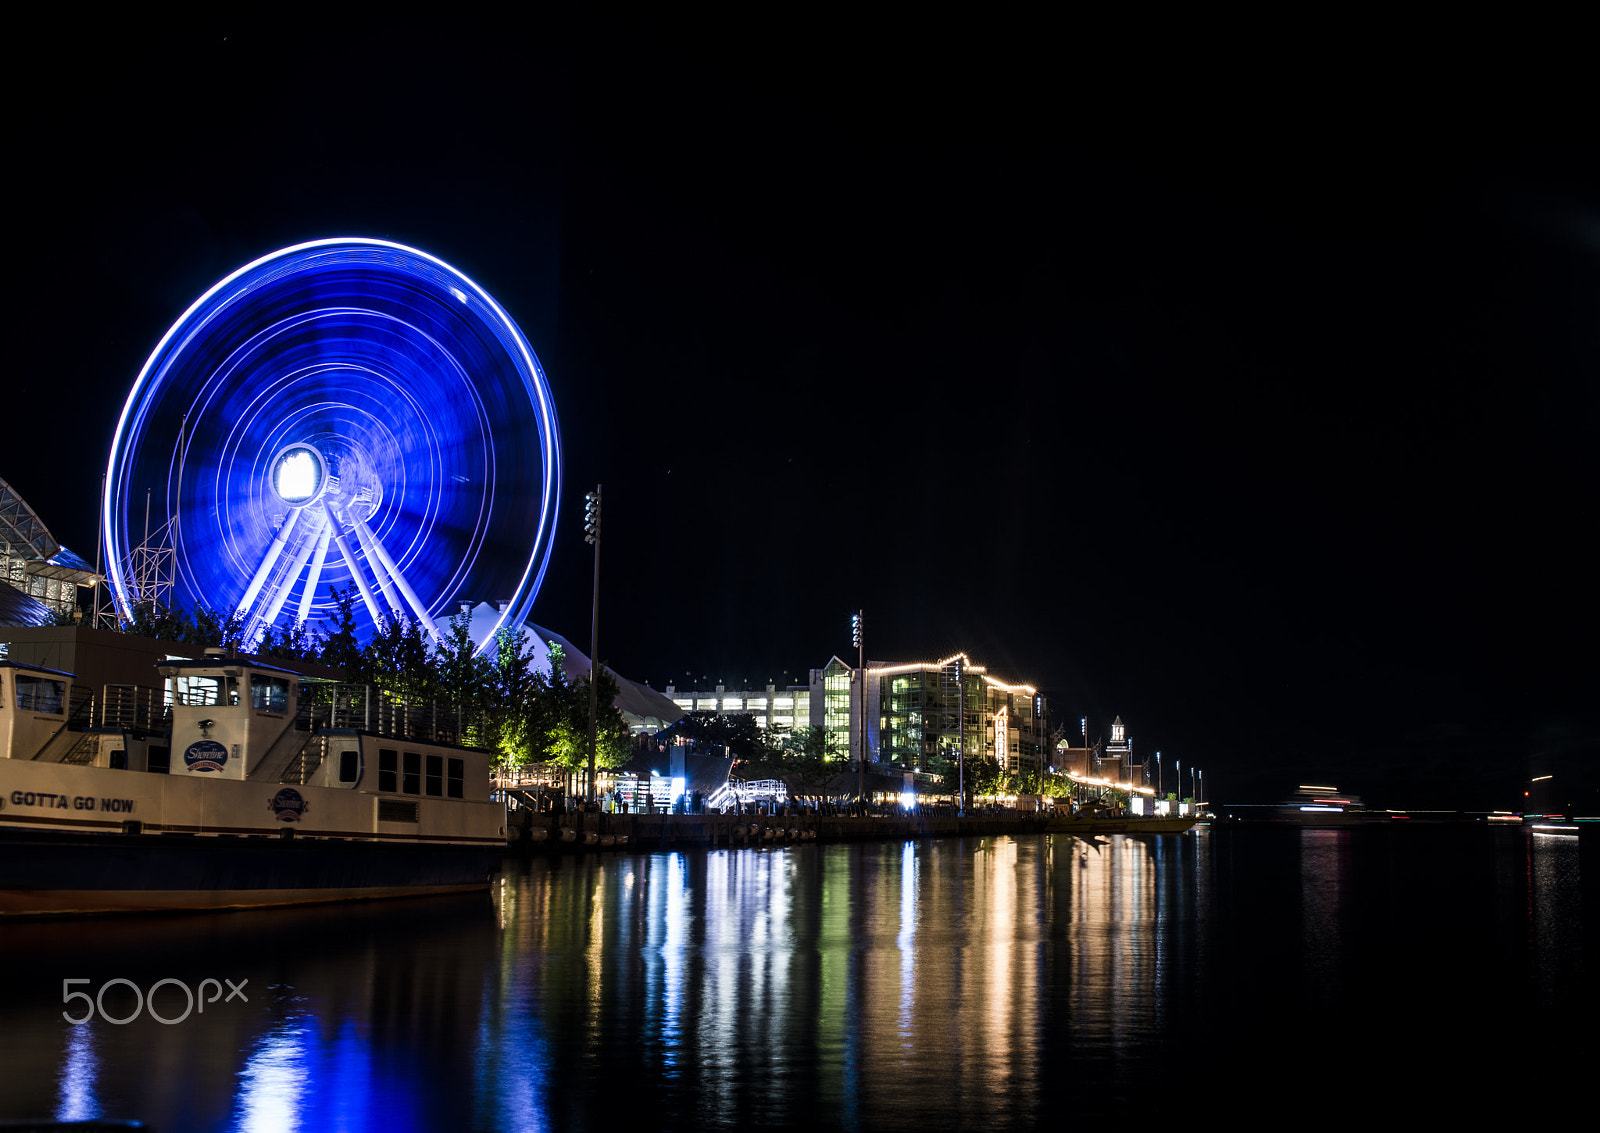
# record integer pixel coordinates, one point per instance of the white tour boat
(255, 787)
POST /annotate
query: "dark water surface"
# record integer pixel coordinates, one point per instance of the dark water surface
(1264, 974)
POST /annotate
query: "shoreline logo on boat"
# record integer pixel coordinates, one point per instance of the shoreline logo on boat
(205, 755)
(287, 805)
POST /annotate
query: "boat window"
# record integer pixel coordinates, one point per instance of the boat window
(455, 778)
(269, 694)
(435, 774)
(412, 782)
(160, 760)
(119, 760)
(349, 766)
(388, 766)
(207, 692)
(40, 694)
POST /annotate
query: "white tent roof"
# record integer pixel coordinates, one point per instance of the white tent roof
(642, 705)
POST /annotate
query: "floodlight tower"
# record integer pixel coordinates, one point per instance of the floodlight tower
(861, 693)
(591, 534)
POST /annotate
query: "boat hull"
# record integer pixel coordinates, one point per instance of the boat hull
(54, 873)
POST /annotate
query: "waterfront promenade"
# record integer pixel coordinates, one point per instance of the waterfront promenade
(653, 831)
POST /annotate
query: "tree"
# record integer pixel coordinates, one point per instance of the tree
(984, 776)
(341, 649)
(202, 627)
(519, 698)
(210, 628)
(399, 659)
(293, 642)
(810, 757)
(151, 619)
(738, 733)
(613, 744)
(465, 678)
(566, 713)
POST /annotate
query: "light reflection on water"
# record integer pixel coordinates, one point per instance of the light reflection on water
(272, 1082)
(79, 1069)
(958, 983)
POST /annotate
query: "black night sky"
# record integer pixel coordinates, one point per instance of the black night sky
(1247, 393)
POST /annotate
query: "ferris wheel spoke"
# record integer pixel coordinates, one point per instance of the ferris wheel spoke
(375, 564)
(308, 543)
(268, 561)
(374, 545)
(355, 573)
(310, 594)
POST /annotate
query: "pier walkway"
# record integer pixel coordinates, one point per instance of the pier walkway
(534, 830)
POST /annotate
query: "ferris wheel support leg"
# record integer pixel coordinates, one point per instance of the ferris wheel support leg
(268, 561)
(374, 544)
(379, 565)
(290, 577)
(355, 573)
(310, 594)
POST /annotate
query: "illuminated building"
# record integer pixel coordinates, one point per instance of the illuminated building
(1116, 761)
(39, 578)
(914, 712)
(920, 708)
(781, 710)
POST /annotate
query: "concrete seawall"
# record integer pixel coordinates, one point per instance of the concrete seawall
(658, 831)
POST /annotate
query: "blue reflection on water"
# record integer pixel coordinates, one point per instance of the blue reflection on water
(79, 1069)
(273, 1081)
(664, 956)
(512, 1058)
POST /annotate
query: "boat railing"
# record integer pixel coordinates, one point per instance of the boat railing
(303, 765)
(530, 775)
(132, 706)
(383, 713)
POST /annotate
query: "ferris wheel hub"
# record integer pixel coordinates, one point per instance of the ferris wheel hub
(299, 475)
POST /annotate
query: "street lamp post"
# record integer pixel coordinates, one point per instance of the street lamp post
(591, 528)
(961, 737)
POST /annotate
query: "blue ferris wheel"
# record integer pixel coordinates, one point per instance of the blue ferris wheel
(343, 412)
